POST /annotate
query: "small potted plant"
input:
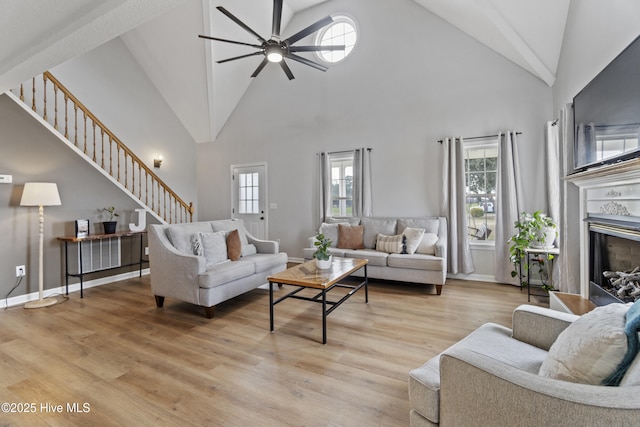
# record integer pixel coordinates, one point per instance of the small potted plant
(110, 225)
(536, 231)
(321, 254)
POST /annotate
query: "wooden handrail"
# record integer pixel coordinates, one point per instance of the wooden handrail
(164, 201)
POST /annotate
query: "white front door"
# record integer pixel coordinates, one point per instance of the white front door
(248, 193)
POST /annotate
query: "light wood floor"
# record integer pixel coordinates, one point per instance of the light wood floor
(135, 364)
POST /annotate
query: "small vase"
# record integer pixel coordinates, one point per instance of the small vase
(109, 227)
(323, 264)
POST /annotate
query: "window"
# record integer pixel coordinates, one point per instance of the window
(249, 199)
(341, 166)
(341, 32)
(481, 173)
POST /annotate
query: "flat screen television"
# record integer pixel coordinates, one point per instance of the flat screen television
(606, 113)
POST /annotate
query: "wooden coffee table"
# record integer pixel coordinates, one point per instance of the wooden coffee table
(307, 275)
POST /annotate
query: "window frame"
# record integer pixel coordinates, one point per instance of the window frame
(337, 19)
(484, 143)
(346, 160)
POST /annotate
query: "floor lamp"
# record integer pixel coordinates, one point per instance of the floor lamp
(40, 194)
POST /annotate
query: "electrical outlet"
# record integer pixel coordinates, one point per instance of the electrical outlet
(20, 271)
(146, 250)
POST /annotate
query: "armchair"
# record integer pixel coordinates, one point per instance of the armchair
(491, 378)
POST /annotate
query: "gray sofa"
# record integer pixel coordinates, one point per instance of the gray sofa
(176, 272)
(428, 267)
(494, 377)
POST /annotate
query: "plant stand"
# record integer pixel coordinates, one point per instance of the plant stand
(530, 253)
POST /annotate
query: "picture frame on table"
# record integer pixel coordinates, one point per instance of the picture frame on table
(82, 227)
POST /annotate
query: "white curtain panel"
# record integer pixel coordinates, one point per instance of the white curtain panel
(552, 160)
(569, 226)
(324, 189)
(508, 206)
(454, 207)
(362, 204)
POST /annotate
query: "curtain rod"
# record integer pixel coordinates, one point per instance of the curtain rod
(343, 152)
(479, 137)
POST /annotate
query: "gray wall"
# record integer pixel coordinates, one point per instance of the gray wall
(111, 84)
(31, 154)
(411, 80)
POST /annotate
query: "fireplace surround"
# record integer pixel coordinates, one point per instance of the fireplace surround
(609, 210)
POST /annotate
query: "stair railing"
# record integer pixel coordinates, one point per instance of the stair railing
(84, 130)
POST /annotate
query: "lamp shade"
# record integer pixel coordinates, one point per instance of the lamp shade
(40, 194)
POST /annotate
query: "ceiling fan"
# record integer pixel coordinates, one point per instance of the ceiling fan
(274, 49)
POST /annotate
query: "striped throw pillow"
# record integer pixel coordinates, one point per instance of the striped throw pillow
(391, 244)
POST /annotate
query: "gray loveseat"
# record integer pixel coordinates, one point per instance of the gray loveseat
(499, 377)
(206, 280)
(428, 264)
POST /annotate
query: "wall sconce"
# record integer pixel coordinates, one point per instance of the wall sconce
(157, 162)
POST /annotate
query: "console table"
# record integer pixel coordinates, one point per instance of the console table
(97, 237)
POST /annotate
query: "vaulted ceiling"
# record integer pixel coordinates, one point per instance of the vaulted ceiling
(162, 35)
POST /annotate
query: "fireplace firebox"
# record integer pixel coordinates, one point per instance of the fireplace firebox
(614, 260)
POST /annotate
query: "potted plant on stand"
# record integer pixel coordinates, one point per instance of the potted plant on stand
(537, 231)
(110, 225)
(321, 254)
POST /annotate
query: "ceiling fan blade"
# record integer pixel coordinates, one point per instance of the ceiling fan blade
(242, 24)
(315, 48)
(305, 61)
(286, 70)
(230, 41)
(277, 18)
(310, 29)
(239, 57)
(264, 62)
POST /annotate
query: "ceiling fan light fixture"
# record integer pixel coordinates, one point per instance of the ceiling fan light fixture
(274, 53)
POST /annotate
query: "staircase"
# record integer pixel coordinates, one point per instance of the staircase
(46, 99)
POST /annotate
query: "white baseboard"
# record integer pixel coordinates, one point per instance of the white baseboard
(75, 287)
(476, 277)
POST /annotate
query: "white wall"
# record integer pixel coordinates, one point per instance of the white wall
(109, 81)
(596, 32)
(411, 80)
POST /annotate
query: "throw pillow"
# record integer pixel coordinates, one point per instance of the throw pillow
(414, 237)
(234, 246)
(631, 329)
(330, 231)
(196, 244)
(590, 349)
(350, 236)
(427, 245)
(391, 244)
(214, 247)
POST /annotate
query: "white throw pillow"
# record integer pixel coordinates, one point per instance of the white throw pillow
(414, 237)
(590, 349)
(214, 247)
(428, 244)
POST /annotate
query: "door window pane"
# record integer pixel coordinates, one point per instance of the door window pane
(249, 199)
